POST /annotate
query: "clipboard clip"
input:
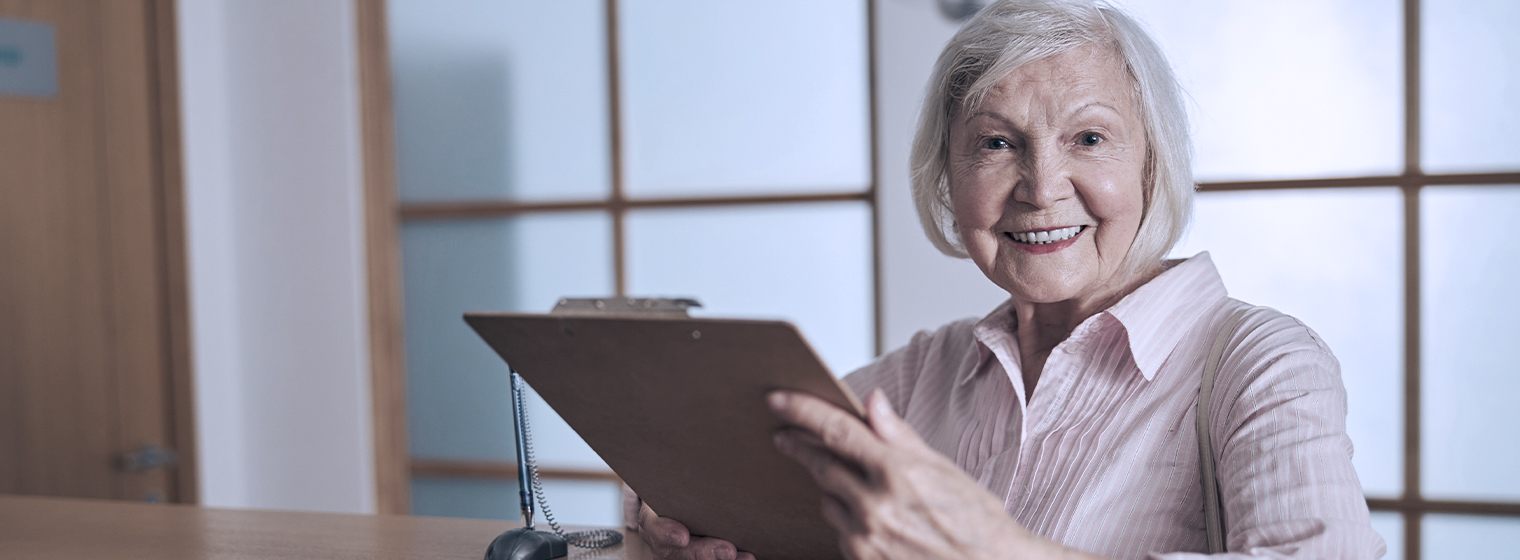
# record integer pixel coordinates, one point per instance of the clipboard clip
(625, 307)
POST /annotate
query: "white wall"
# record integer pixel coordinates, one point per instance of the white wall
(921, 288)
(269, 92)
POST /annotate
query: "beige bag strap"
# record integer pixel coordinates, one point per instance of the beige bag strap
(1213, 509)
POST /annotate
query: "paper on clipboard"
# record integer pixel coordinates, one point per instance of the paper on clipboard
(676, 406)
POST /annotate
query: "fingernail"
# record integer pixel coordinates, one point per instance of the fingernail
(879, 400)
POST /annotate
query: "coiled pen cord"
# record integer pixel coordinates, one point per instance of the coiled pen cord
(594, 538)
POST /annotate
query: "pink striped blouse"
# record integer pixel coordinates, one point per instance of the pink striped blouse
(1104, 457)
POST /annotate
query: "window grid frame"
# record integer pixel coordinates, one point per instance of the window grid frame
(1412, 506)
(616, 205)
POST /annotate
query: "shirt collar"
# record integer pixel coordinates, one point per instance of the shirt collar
(1158, 314)
(995, 333)
(1155, 317)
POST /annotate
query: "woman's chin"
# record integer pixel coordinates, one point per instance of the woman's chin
(1041, 292)
(1043, 282)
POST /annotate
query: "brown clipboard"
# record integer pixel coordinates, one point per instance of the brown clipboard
(676, 406)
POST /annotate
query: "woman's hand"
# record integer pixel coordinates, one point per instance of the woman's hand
(669, 539)
(889, 495)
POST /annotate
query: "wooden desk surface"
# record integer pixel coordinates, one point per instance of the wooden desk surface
(46, 528)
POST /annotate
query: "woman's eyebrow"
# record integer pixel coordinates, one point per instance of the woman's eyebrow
(1091, 105)
(1083, 108)
(989, 114)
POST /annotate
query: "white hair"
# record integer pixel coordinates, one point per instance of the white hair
(1011, 33)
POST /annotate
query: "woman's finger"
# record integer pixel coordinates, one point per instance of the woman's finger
(662, 531)
(670, 539)
(833, 475)
(886, 423)
(841, 432)
(707, 548)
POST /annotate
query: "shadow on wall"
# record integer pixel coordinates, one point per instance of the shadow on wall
(452, 124)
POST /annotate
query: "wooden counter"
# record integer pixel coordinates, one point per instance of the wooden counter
(48, 528)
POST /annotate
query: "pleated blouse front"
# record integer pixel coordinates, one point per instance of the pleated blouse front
(1103, 456)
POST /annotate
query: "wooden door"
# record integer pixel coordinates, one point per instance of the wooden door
(94, 360)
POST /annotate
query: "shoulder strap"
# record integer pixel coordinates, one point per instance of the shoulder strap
(1213, 509)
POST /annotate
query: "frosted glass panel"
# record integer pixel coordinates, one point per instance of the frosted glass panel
(1333, 259)
(500, 99)
(745, 97)
(585, 502)
(1390, 526)
(1470, 250)
(573, 502)
(1465, 537)
(1293, 88)
(459, 497)
(1471, 85)
(458, 393)
(806, 263)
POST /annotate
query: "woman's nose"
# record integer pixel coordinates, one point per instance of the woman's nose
(1043, 179)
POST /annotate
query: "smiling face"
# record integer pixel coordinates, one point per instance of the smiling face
(1047, 178)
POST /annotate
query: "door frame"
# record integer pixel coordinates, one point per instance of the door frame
(163, 57)
(383, 261)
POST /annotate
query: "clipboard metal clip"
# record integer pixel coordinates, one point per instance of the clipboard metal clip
(625, 307)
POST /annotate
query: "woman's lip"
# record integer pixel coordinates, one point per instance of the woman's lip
(1038, 230)
(1046, 248)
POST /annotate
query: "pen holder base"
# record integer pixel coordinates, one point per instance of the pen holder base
(527, 544)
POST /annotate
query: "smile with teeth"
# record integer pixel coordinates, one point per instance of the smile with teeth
(1043, 237)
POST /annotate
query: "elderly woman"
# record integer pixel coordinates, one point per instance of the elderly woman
(1052, 150)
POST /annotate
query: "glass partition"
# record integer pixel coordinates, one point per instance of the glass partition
(512, 119)
(745, 97)
(1332, 258)
(1288, 89)
(1470, 245)
(1461, 537)
(806, 263)
(1471, 96)
(500, 100)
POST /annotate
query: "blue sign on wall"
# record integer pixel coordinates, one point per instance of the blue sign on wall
(28, 59)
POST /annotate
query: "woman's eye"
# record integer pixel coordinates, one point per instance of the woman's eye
(995, 144)
(1089, 139)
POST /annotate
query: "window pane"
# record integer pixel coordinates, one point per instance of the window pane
(463, 497)
(1470, 251)
(500, 100)
(1464, 537)
(458, 392)
(1390, 526)
(806, 263)
(573, 502)
(1287, 89)
(744, 97)
(1470, 58)
(1333, 258)
(585, 502)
